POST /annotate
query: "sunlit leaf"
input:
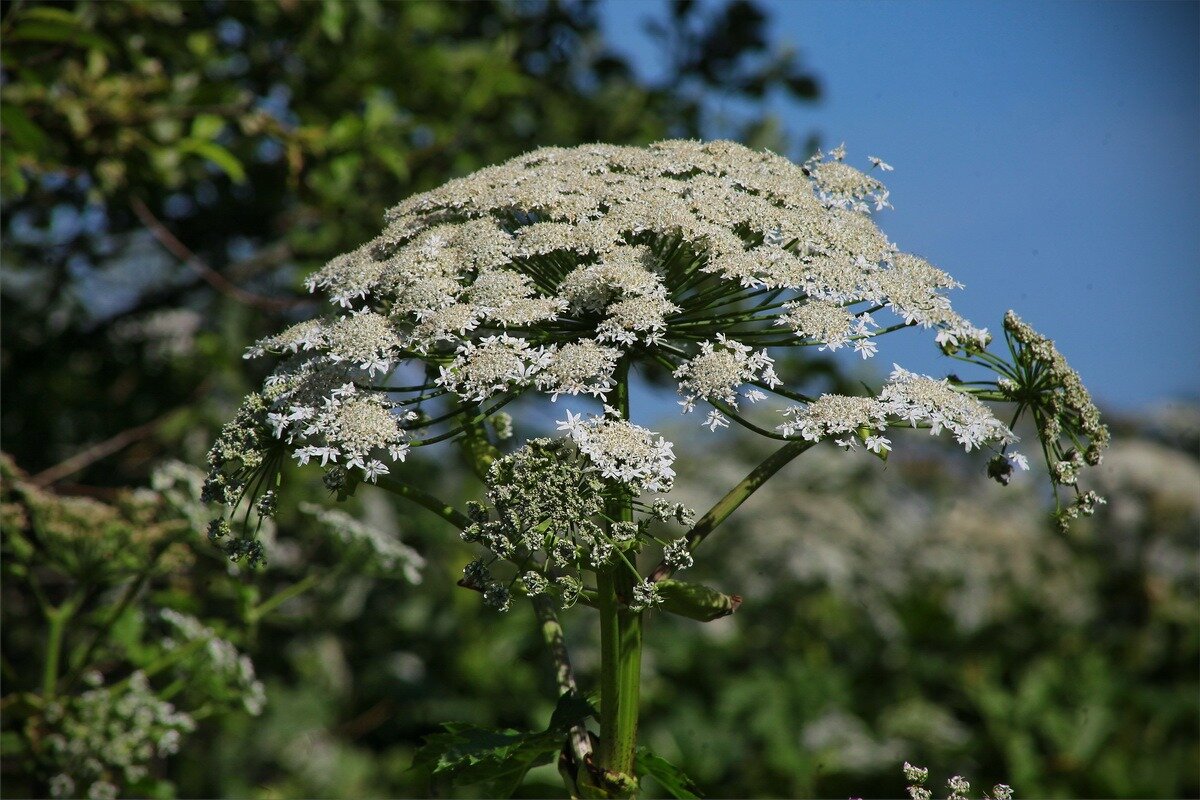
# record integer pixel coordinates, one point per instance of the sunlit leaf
(217, 154)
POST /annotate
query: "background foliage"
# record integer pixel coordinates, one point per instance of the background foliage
(171, 172)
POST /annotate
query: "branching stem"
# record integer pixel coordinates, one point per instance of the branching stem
(735, 497)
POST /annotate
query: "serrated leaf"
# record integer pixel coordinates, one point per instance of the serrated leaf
(669, 776)
(498, 758)
(20, 129)
(470, 754)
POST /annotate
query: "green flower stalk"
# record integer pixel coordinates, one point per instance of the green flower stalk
(559, 272)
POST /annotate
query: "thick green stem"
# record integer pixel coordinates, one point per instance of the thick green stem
(620, 635)
(736, 496)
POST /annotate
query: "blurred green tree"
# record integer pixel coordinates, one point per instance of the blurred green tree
(171, 171)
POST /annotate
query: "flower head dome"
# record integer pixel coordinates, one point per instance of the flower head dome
(551, 272)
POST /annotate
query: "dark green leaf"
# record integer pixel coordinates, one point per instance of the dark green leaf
(500, 758)
(470, 754)
(44, 14)
(570, 711)
(58, 31)
(12, 744)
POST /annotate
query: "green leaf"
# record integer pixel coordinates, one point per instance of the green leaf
(333, 19)
(498, 758)
(470, 754)
(695, 601)
(207, 126)
(571, 710)
(669, 776)
(57, 30)
(59, 15)
(12, 744)
(217, 154)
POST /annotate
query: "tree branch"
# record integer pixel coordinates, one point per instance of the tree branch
(90, 455)
(210, 276)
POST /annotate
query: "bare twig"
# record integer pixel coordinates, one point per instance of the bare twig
(210, 276)
(100, 450)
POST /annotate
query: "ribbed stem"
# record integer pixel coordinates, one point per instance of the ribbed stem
(620, 635)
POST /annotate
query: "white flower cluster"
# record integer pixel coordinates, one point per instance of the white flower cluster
(560, 271)
(839, 184)
(838, 415)
(546, 271)
(832, 325)
(720, 367)
(623, 451)
(496, 364)
(906, 398)
(678, 554)
(219, 659)
(645, 595)
(960, 787)
(917, 399)
(625, 289)
(580, 367)
(335, 422)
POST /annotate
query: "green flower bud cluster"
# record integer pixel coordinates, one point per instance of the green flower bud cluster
(548, 517)
(1042, 383)
(240, 454)
(237, 548)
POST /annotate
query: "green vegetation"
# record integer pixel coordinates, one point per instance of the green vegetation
(170, 174)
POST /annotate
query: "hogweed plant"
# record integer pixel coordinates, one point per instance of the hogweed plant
(561, 272)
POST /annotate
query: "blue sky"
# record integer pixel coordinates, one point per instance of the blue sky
(1047, 155)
